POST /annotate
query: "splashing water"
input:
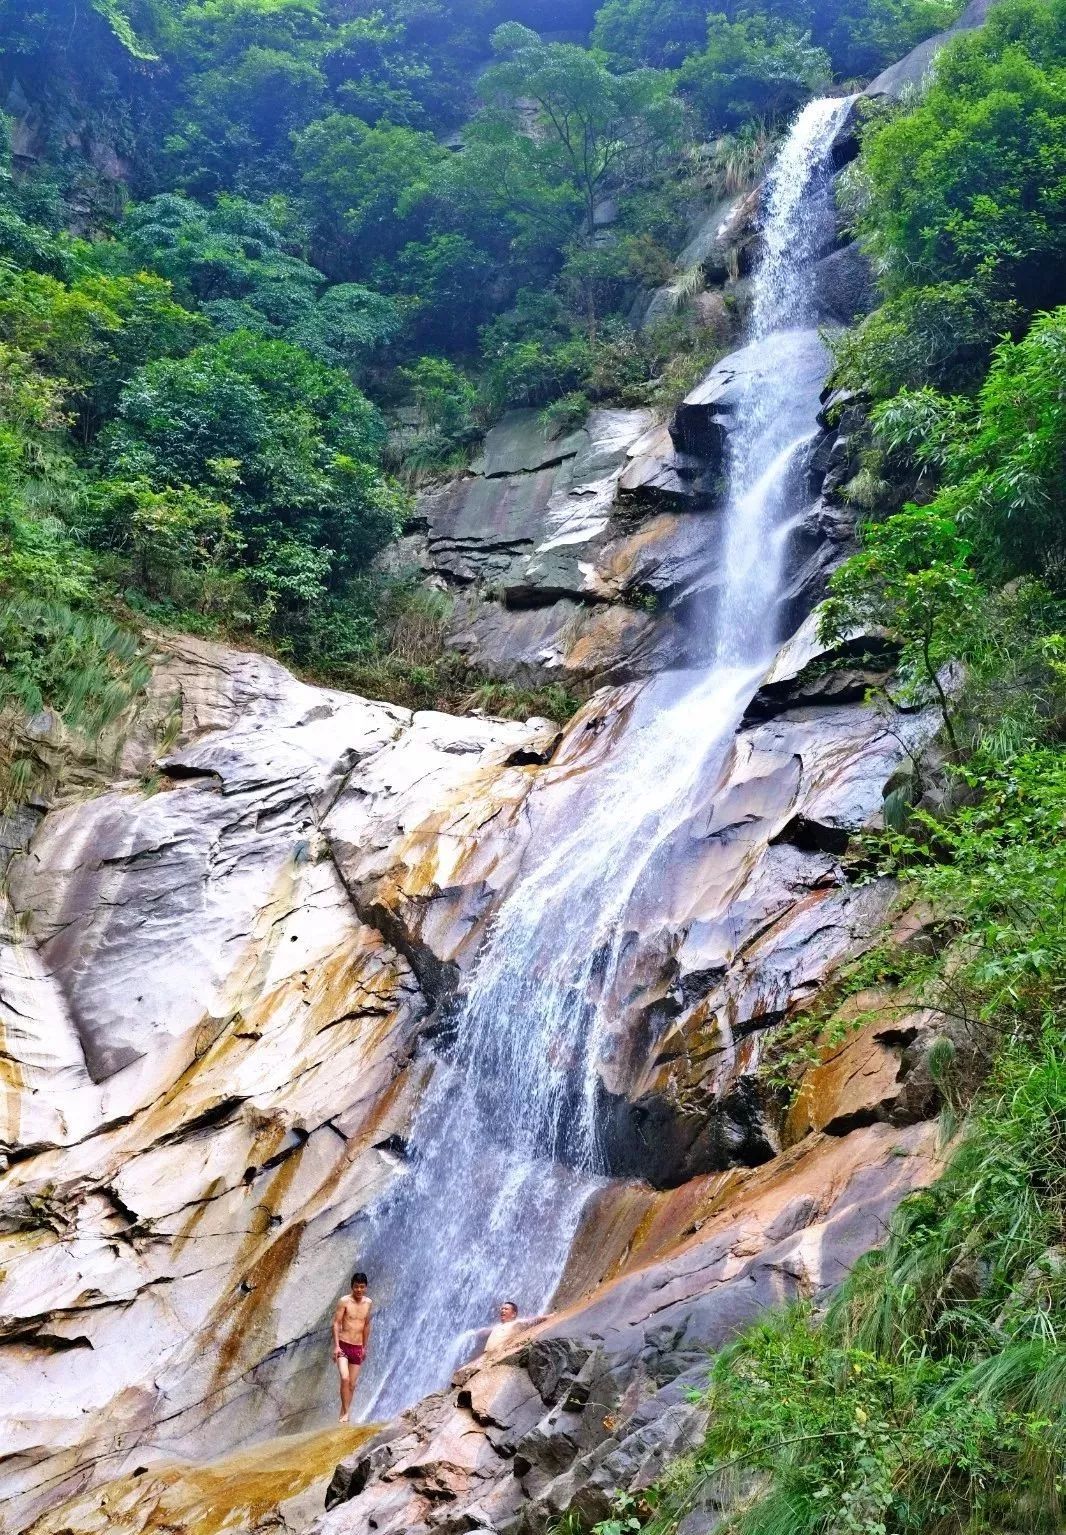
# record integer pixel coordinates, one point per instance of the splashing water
(507, 1145)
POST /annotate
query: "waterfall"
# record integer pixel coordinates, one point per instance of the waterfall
(507, 1145)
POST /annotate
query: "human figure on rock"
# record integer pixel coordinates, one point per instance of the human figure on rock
(509, 1325)
(351, 1338)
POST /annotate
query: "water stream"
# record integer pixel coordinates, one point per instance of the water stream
(507, 1146)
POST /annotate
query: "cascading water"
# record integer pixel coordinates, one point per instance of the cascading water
(507, 1147)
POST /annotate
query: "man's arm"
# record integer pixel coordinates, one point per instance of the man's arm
(367, 1325)
(338, 1318)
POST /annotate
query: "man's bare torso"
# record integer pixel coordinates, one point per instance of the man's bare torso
(502, 1334)
(353, 1320)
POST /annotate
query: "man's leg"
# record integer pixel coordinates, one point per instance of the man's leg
(353, 1380)
(344, 1370)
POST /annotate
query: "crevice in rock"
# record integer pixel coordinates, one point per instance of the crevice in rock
(812, 836)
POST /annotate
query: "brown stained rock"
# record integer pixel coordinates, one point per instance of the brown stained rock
(680, 1273)
(876, 1073)
(207, 1064)
(277, 1483)
(664, 555)
(855, 1083)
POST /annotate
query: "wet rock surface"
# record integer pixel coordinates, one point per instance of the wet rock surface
(599, 1399)
(206, 1062)
(218, 976)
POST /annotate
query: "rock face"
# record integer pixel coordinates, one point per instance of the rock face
(206, 1058)
(598, 1400)
(220, 973)
(553, 577)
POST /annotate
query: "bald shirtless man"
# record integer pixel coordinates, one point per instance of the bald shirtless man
(351, 1338)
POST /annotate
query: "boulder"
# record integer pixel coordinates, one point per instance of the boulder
(910, 72)
(844, 286)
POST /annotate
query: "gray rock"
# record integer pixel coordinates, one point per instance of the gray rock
(521, 444)
(844, 285)
(910, 72)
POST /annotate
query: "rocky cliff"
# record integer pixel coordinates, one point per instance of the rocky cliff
(231, 937)
(220, 968)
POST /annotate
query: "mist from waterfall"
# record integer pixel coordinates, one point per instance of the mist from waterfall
(507, 1144)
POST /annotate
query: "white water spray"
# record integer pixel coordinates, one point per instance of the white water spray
(507, 1145)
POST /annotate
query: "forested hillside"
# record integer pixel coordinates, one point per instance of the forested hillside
(239, 233)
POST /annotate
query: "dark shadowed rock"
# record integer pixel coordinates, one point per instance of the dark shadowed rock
(844, 285)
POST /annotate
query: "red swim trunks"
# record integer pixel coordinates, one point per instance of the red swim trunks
(355, 1353)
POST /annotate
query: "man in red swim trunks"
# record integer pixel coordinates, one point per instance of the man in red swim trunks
(351, 1338)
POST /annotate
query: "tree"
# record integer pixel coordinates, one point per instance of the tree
(660, 33)
(348, 326)
(865, 35)
(248, 76)
(998, 459)
(93, 332)
(912, 577)
(451, 282)
(289, 443)
(608, 131)
(752, 67)
(970, 185)
(363, 185)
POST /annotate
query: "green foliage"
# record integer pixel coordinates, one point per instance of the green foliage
(862, 38)
(753, 66)
(93, 331)
(970, 184)
(56, 653)
(660, 33)
(606, 130)
(939, 335)
(447, 402)
(235, 261)
(365, 183)
(1002, 464)
(859, 37)
(912, 577)
(285, 441)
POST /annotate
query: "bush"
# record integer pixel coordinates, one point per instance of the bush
(970, 184)
(942, 335)
(751, 67)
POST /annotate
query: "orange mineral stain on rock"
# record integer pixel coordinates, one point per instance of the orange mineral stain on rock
(230, 1494)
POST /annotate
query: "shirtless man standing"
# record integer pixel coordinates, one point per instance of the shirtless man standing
(351, 1338)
